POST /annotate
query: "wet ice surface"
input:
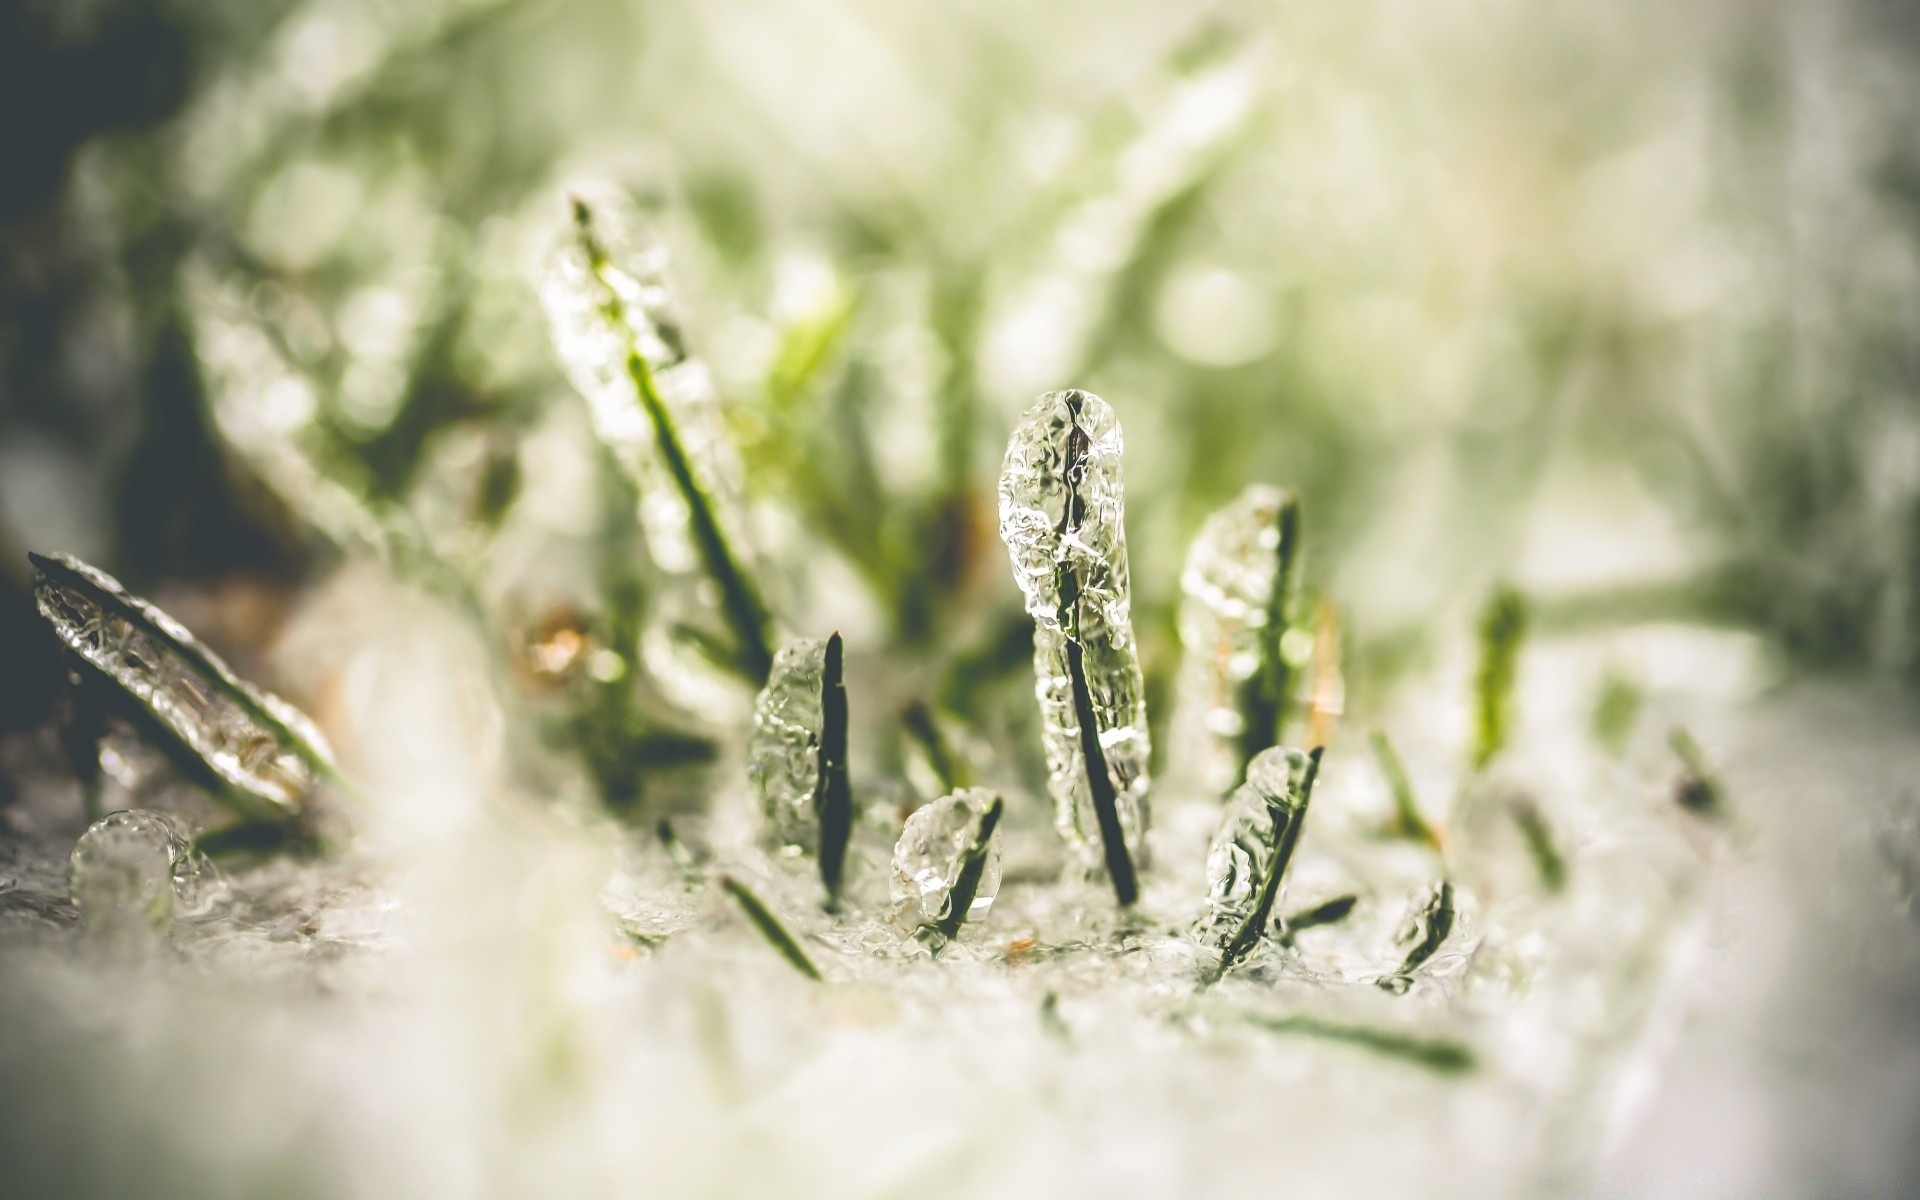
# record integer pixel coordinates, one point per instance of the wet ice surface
(1063, 521)
(783, 752)
(139, 870)
(525, 1005)
(931, 853)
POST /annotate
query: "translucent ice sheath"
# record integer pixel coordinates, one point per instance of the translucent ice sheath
(797, 754)
(653, 405)
(264, 754)
(1234, 680)
(1062, 518)
(1252, 848)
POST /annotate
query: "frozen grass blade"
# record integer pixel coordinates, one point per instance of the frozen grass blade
(943, 760)
(973, 865)
(833, 794)
(770, 927)
(1503, 626)
(1699, 790)
(1061, 516)
(264, 755)
(1407, 819)
(617, 305)
(1429, 927)
(1264, 695)
(1252, 848)
(1332, 912)
(1445, 1056)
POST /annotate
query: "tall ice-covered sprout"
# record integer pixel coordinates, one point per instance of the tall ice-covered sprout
(1062, 518)
(655, 409)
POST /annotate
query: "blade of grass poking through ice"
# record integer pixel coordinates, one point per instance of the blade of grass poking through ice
(1503, 626)
(1547, 860)
(833, 794)
(265, 755)
(1264, 695)
(770, 927)
(626, 395)
(1446, 1056)
(1407, 820)
(973, 865)
(1252, 848)
(1428, 928)
(1061, 517)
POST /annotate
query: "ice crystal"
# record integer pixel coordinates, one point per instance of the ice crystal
(1233, 679)
(138, 869)
(654, 407)
(1062, 518)
(1248, 858)
(267, 755)
(1428, 925)
(946, 867)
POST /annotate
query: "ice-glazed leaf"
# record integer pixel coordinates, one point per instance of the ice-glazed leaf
(1252, 847)
(946, 867)
(1062, 518)
(266, 755)
(655, 409)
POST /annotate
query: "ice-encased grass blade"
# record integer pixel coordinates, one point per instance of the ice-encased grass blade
(1428, 927)
(265, 754)
(945, 865)
(1235, 681)
(1330, 912)
(1251, 850)
(770, 927)
(1503, 626)
(797, 755)
(1548, 862)
(1444, 1055)
(1063, 520)
(654, 407)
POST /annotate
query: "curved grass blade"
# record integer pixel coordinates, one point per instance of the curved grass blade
(1407, 819)
(770, 927)
(1444, 1055)
(1430, 926)
(263, 751)
(1503, 626)
(1332, 912)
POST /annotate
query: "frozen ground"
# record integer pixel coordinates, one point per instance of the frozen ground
(453, 1012)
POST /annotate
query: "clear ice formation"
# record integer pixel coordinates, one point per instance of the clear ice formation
(1429, 923)
(267, 753)
(654, 406)
(1248, 858)
(139, 869)
(1062, 518)
(783, 752)
(931, 876)
(1233, 588)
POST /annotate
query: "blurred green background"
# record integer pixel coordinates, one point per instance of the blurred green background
(1619, 302)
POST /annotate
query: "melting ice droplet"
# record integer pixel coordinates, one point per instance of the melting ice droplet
(797, 756)
(266, 752)
(1062, 518)
(946, 867)
(1251, 849)
(139, 869)
(1233, 678)
(654, 407)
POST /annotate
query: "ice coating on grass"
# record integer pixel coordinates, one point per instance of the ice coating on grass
(932, 850)
(1062, 518)
(253, 741)
(138, 869)
(611, 313)
(783, 754)
(1226, 600)
(1250, 849)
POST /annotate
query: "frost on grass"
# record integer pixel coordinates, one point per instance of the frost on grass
(266, 755)
(655, 409)
(946, 867)
(138, 870)
(1062, 518)
(1250, 852)
(1234, 679)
